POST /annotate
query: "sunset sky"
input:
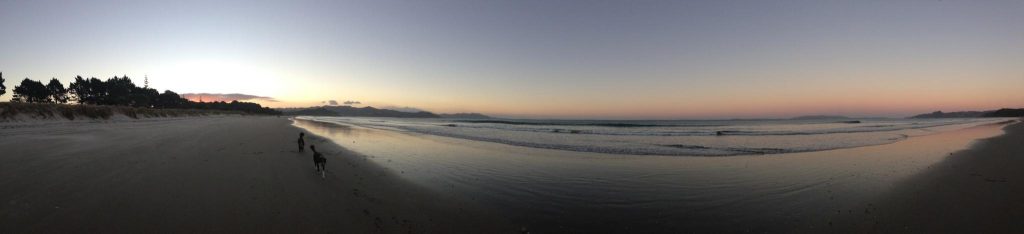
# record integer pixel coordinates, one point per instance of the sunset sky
(542, 59)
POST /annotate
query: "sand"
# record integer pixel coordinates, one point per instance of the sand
(976, 190)
(243, 174)
(214, 174)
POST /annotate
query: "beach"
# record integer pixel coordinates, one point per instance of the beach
(976, 190)
(567, 191)
(465, 116)
(244, 174)
(213, 175)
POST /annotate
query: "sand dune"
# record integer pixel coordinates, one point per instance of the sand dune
(216, 174)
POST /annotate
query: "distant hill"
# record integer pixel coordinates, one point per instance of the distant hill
(1005, 112)
(311, 112)
(368, 111)
(465, 116)
(809, 117)
(958, 114)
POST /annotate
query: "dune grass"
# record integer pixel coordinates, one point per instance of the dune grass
(11, 110)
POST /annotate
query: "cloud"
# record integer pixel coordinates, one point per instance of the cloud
(225, 97)
(335, 103)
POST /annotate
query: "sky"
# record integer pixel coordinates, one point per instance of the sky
(541, 59)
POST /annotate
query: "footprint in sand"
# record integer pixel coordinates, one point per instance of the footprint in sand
(991, 180)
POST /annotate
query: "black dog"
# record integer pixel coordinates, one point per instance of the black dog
(319, 162)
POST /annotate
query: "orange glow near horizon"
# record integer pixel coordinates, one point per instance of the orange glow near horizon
(651, 60)
(754, 99)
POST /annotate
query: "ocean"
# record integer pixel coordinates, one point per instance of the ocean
(672, 137)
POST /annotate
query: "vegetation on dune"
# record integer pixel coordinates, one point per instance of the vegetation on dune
(9, 110)
(99, 99)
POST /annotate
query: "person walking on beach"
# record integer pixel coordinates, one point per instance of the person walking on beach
(302, 142)
(319, 162)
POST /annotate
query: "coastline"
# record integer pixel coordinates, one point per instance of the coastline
(975, 190)
(243, 174)
(229, 174)
(549, 190)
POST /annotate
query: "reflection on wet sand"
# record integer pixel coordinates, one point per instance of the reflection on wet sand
(558, 191)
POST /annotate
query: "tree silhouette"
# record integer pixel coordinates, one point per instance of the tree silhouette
(121, 91)
(169, 99)
(31, 91)
(143, 97)
(88, 91)
(57, 92)
(3, 89)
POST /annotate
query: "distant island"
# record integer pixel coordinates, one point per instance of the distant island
(810, 117)
(1005, 112)
(370, 111)
(839, 118)
(465, 116)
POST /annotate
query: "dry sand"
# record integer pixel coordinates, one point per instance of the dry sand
(216, 174)
(976, 190)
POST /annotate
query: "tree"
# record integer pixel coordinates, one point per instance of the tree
(79, 90)
(3, 89)
(143, 97)
(57, 92)
(88, 91)
(169, 99)
(121, 91)
(31, 91)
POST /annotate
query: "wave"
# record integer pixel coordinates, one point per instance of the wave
(668, 129)
(599, 124)
(643, 123)
(745, 140)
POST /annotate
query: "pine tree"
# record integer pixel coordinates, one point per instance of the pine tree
(31, 91)
(58, 93)
(3, 89)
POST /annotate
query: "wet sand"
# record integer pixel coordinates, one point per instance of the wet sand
(230, 174)
(976, 190)
(555, 191)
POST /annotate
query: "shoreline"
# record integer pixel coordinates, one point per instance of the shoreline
(459, 215)
(797, 191)
(972, 190)
(230, 174)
